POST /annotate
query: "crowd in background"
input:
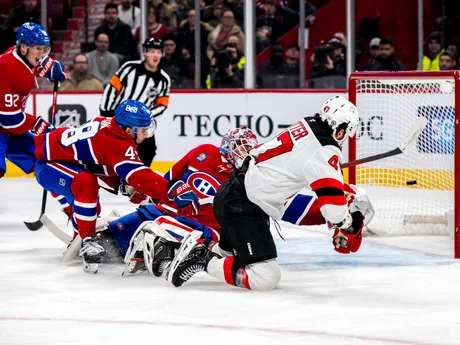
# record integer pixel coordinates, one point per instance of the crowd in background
(117, 40)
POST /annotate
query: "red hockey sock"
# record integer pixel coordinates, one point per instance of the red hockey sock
(85, 190)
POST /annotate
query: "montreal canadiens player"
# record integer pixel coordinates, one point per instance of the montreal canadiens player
(69, 161)
(19, 66)
(307, 153)
(204, 168)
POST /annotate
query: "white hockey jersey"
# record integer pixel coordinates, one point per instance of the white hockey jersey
(304, 155)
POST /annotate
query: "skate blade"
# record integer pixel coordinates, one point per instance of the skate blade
(130, 265)
(188, 243)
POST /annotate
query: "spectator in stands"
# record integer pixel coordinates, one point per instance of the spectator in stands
(447, 61)
(178, 67)
(324, 74)
(218, 38)
(186, 42)
(237, 7)
(212, 14)
(279, 72)
(338, 55)
(225, 72)
(269, 26)
(274, 65)
(181, 9)
(130, 14)
(27, 11)
(122, 42)
(431, 62)
(454, 50)
(154, 29)
(387, 61)
(186, 34)
(342, 37)
(236, 40)
(291, 65)
(102, 64)
(374, 46)
(166, 15)
(79, 78)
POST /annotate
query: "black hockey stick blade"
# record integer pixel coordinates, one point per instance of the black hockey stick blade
(34, 226)
(37, 225)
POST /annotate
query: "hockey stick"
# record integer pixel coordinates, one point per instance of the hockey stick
(417, 128)
(37, 225)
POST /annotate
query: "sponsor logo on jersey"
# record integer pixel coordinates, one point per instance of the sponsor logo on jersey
(201, 157)
(203, 184)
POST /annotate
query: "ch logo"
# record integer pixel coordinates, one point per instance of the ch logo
(62, 182)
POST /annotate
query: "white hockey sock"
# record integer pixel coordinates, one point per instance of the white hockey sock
(260, 276)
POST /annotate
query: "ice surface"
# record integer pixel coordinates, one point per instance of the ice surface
(382, 295)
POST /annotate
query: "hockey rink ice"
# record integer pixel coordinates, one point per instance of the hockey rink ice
(395, 290)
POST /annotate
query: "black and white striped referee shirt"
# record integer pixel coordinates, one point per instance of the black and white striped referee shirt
(133, 81)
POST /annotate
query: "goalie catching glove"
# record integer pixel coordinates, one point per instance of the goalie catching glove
(184, 197)
(348, 240)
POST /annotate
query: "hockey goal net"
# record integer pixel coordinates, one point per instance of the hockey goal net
(413, 193)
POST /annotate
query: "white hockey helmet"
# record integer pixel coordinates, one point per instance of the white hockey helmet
(340, 113)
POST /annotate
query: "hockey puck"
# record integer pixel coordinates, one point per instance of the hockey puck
(411, 182)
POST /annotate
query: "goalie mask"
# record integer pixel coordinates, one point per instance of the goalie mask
(340, 114)
(236, 145)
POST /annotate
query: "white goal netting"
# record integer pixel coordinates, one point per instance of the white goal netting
(412, 192)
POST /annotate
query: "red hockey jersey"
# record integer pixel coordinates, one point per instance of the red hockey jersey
(18, 79)
(105, 149)
(204, 169)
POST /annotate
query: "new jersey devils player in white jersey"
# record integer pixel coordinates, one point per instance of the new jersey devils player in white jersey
(306, 154)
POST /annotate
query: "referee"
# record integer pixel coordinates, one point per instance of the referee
(144, 81)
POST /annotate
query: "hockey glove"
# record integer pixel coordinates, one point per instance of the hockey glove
(184, 197)
(42, 126)
(51, 69)
(2, 172)
(134, 196)
(349, 240)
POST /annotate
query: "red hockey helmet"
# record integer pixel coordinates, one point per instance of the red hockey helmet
(236, 144)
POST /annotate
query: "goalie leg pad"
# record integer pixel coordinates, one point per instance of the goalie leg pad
(124, 228)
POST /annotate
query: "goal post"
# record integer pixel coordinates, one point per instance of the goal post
(415, 190)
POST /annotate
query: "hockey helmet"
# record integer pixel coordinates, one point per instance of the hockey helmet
(134, 114)
(340, 113)
(236, 144)
(153, 43)
(33, 34)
